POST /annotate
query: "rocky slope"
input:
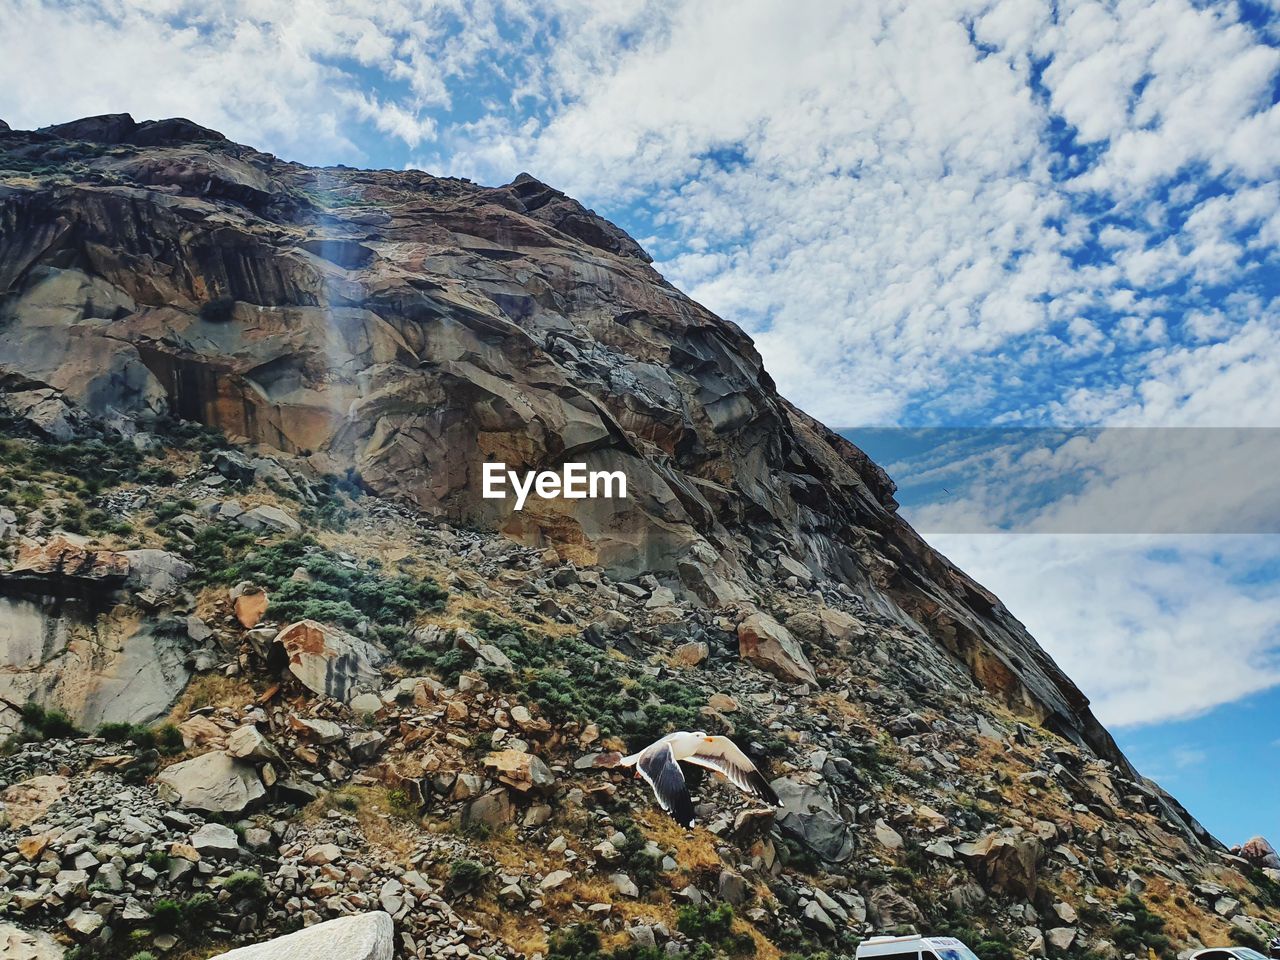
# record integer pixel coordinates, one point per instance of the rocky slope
(248, 404)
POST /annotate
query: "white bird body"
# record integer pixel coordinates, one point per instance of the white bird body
(659, 765)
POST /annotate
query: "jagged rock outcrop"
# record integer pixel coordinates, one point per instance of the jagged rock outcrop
(412, 327)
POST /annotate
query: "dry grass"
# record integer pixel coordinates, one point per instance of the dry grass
(212, 690)
(385, 825)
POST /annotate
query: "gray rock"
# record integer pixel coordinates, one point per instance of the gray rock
(366, 936)
(248, 743)
(809, 815)
(365, 745)
(733, 887)
(216, 840)
(887, 837)
(19, 944)
(269, 518)
(84, 923)
(214, 782)
(1061, 938)
(888, 909)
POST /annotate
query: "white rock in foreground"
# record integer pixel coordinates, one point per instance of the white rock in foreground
(367, 936)
(19, 944)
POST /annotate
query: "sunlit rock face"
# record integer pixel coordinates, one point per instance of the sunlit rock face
(412, 327)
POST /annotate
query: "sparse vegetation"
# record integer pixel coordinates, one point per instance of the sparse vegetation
(330, 590)
(245, 885)
(466, 876)
(581, 941)
(1144, 931)
(711, 928)
(41, 724)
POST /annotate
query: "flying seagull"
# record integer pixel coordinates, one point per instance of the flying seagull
(659, 764)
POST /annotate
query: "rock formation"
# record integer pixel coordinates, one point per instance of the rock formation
(270, 659)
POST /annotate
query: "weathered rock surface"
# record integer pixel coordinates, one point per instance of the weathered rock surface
(1008, 865)
(213, 782)
(99, 668)
(19, 944)
(368, 936)
(765, 642)
(330, 662)
(1260, 853)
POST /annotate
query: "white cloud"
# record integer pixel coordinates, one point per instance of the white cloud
(280, 75)
(1152, 629)
(894, 226)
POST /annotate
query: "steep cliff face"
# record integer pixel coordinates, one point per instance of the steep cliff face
(412, 327)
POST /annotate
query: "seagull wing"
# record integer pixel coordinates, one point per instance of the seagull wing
(660, 770)
(723, 756)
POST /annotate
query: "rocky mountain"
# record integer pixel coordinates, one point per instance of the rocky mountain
(269, 657)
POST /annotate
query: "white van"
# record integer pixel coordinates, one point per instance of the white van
(914, 947)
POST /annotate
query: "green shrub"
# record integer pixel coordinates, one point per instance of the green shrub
(334, 592)
(124, 732)
(245, 885)
(713, 927)
(1146, 930)
(466, 876)
(47, 723)
(635, 863)
(166, 915)
(581, 941)
(158, 861)
(198, 911)
(143, 955)
(169, 739)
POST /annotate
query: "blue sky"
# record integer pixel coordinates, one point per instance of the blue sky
(955, 213)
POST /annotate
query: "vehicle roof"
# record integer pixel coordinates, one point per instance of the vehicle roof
(887, 944)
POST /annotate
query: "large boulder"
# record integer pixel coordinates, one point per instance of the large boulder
(366, 936)
(67, 556)
(25, 802)
(889, 909)
(811, 816)
(213, 782)
(156, 572)
(330, 662)
(1005, 864)
(1260, 853)
(769, 645)
(269, 518)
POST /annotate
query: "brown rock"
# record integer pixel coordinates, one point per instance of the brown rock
(250, 608)
(27, 801)
(771, 647)
(32, 847)
(523, 771)
(1007, 865)
(691, 654)
(199, 732)
(722, 703)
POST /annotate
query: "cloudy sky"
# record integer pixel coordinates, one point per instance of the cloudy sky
(928, 214)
